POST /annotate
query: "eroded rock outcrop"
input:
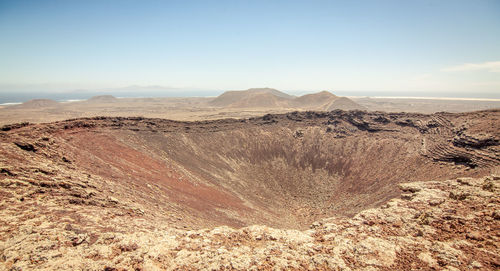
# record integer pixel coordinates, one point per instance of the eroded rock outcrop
(429, 227)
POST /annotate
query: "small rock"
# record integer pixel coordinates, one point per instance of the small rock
(397, 224)
(7, 172)
(488, 186)
(427, 258)
(66, 160)
(463, 181)
(475, 235)
(25, 146)
(409, 187)
(489, 243)
(79, 239)
(108, 236)
(436, 202)
(138, 211)
(315, 225)
(424, 219)
(76, 201)
(369, 222)
(476, 264)
(496, 214)
(65, 185)
(407, 196)
(128, 247)
(458, 195)
(113, 200)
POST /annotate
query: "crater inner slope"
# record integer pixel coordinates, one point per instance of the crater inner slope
(284, 170)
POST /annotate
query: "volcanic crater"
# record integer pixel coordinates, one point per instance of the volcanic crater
(338, 190)
(284, 170)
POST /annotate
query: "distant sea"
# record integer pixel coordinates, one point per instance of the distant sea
(20, 97)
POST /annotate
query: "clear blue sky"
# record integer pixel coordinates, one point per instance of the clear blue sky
(412, 48)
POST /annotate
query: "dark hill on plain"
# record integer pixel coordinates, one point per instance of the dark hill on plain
(255, 97)
(266, 100)
(37, 103)
(103, 99)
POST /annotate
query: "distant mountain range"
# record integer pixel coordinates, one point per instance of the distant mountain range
(264, 98)
(272, 98)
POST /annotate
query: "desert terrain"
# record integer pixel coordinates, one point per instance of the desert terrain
(426, 105)
(249, 135)
(313, 188)
(231, 104)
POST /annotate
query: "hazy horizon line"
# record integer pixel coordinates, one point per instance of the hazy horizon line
(70, 99)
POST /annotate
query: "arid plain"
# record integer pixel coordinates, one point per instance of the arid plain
(253, 103)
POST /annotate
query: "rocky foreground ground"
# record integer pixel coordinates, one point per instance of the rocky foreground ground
(435, 225)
